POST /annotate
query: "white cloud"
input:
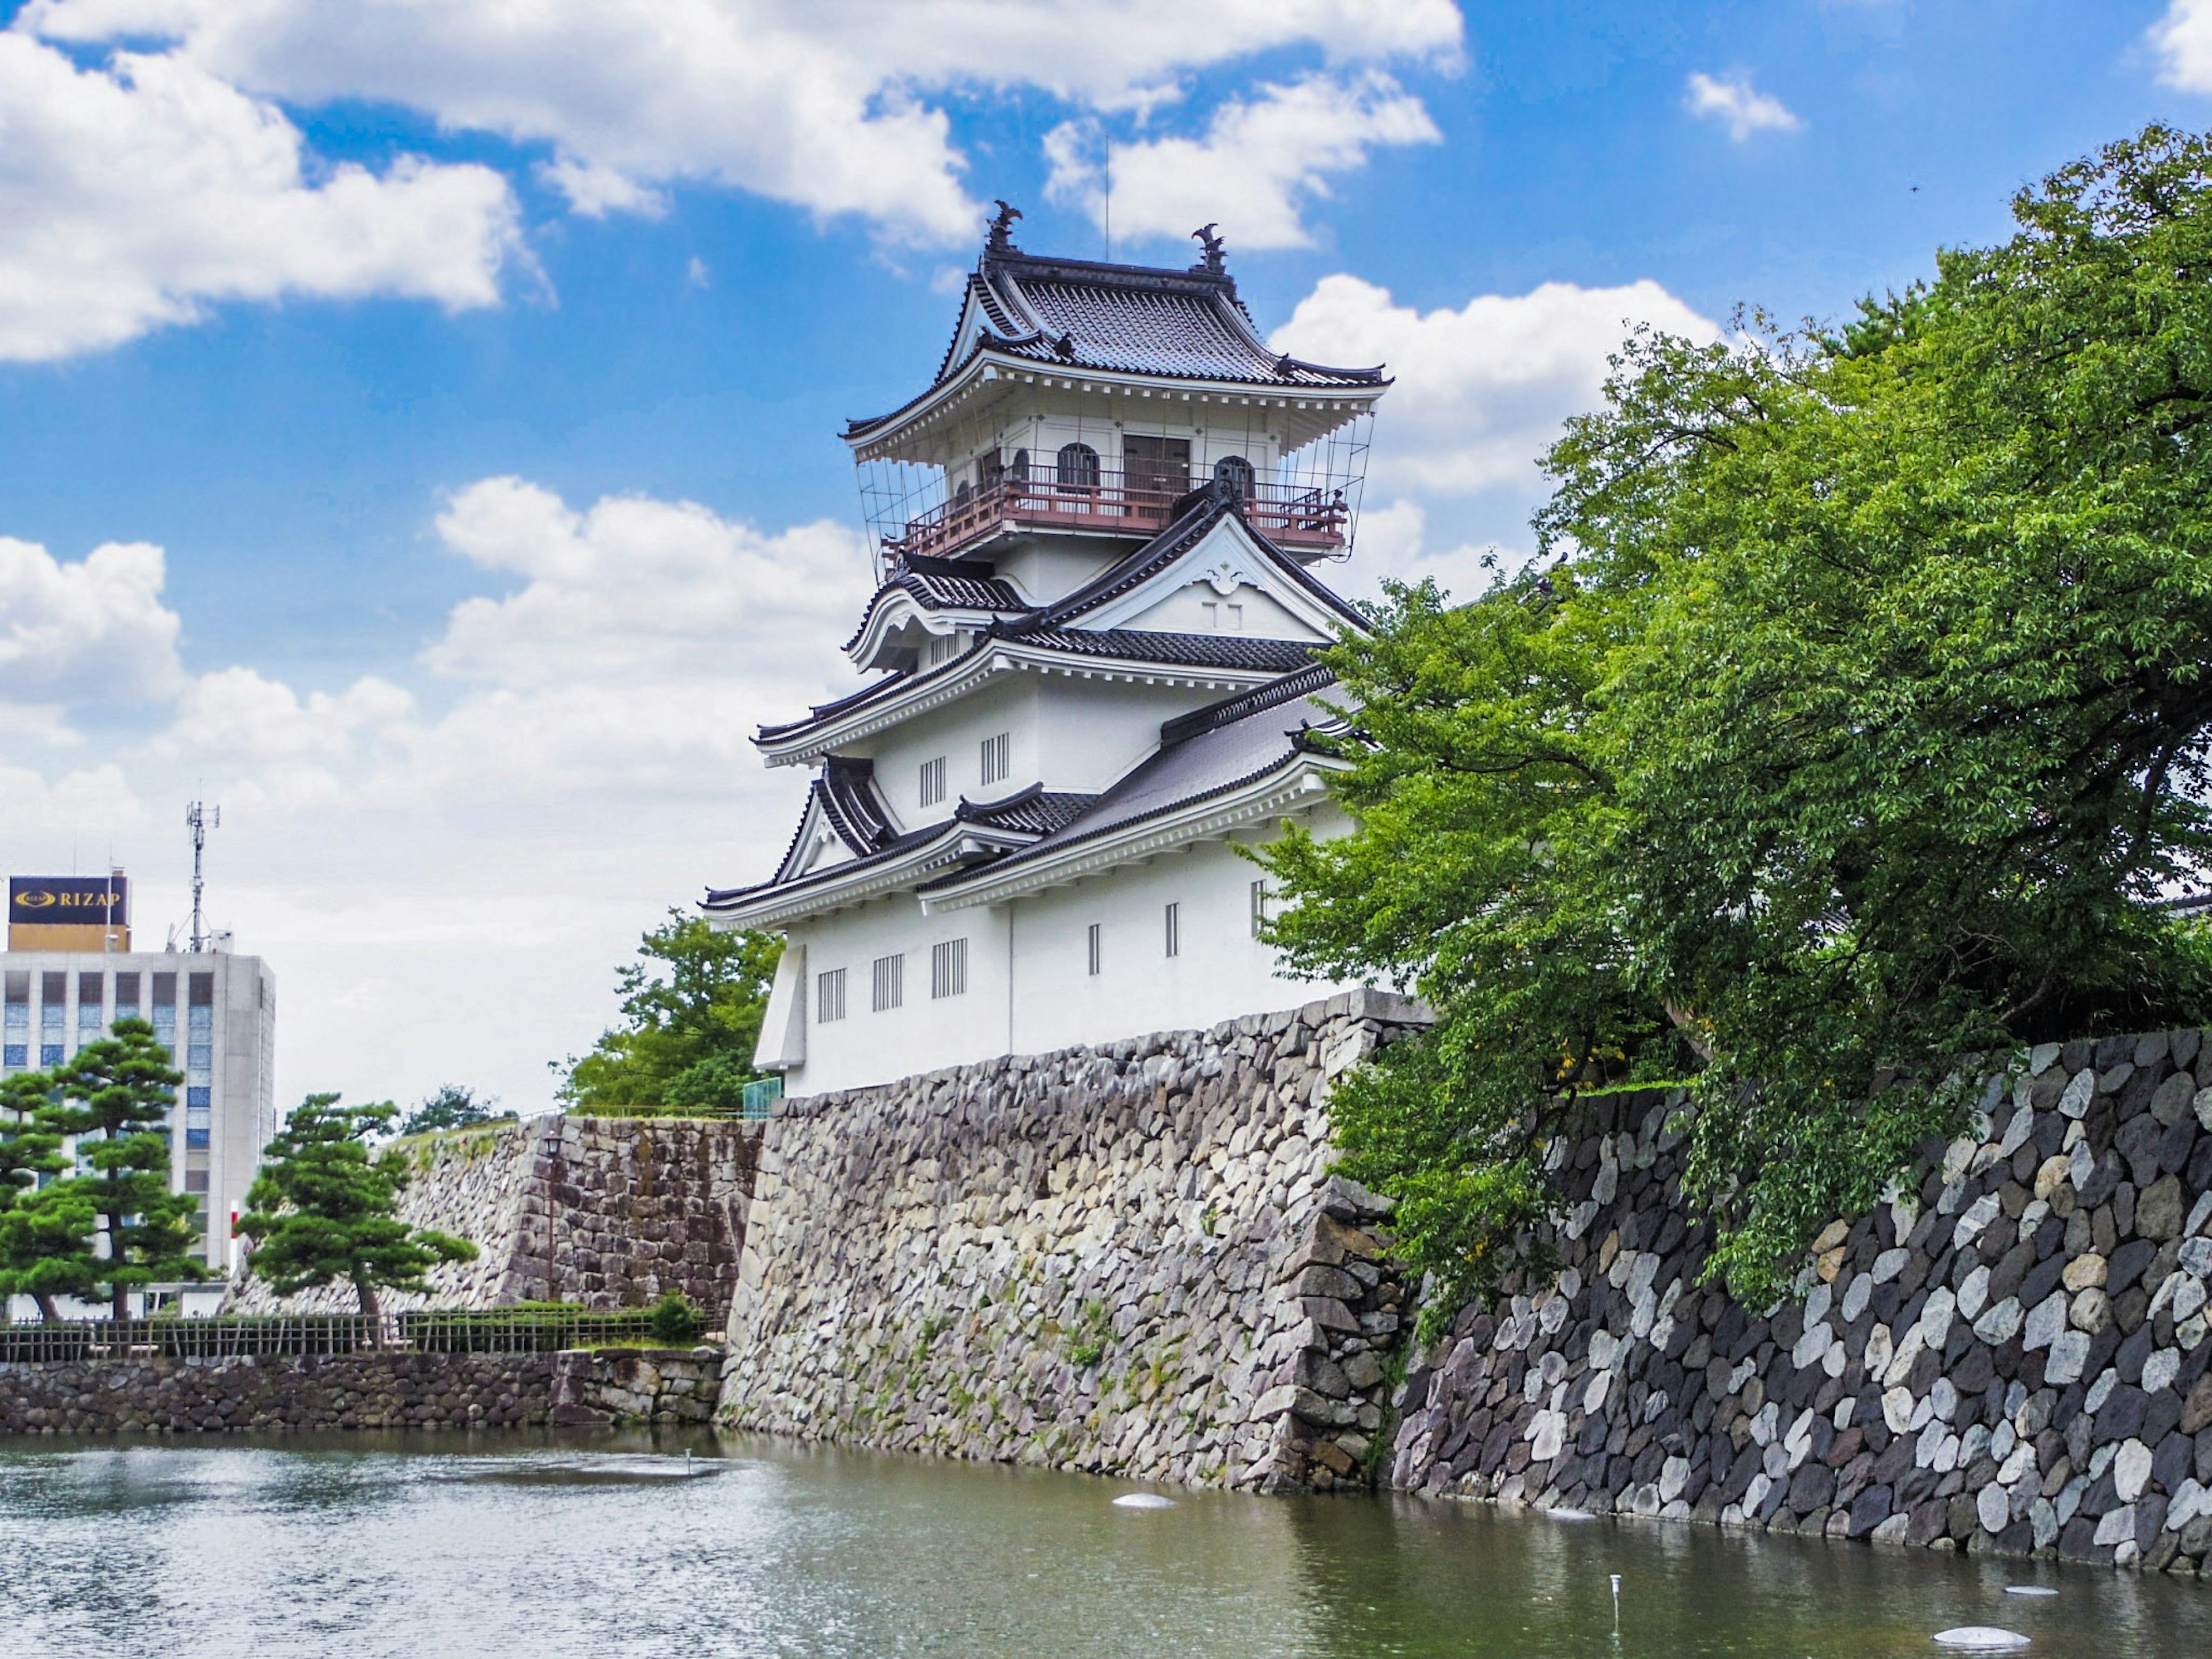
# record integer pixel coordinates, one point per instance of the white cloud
(1480, 392)
(1731, 101)
(93, 632)
(134, 195)
(1260, 160)
(818, 103)
(2182, 39)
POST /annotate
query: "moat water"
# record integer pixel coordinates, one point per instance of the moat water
(541, 1549)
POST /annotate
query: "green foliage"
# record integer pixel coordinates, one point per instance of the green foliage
(691, 1009)
(45, 1242)
(114, 1097)
(323, 1208)
(1860, 724)
(675, 1321)
(452, 1107)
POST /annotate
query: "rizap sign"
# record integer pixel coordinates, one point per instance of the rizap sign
(66, 901)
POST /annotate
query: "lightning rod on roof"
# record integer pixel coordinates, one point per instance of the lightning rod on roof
(199, 819)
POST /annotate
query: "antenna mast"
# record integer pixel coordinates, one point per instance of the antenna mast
(200, 820)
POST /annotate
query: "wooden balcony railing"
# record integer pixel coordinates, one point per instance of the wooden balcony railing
(1117, 505)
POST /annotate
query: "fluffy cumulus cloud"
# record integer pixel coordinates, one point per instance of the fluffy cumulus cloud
(1481, 391)
(566, 757)
(93, 632)
(1258, 161)
(824, 104)
(1734, 102)
(2183, 40)
(135, 192)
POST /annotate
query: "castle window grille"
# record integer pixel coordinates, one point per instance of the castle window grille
(1174, 941)
(1098, 948)
(998, 758)
(830, 997)
(932, 781)
(948, 969)
(890, 983)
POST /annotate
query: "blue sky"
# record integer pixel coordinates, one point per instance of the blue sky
(478, 383)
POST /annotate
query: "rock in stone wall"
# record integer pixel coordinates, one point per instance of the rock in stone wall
(268, 1394)
(628, 1387)
(610, 1212)
(2011, 1356)
(1127, 1259)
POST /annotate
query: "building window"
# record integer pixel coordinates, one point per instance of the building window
(1018, 470)
(948, 969)
(50, 1054)
(202, 990)
(890, 982)
(199, 1056)
(990, 470)
(165, 995)
(15, 1054)
(829, 996)
(998, 758)
(195, 1180)
(126, 996)
(1155, 471)
(1174, 930)
(1236, 472)
(1096, 943)
(198, 1099)
(1078, 467)
(53, 1000)
(932, 781)
(195, 1137)
(1260, 900)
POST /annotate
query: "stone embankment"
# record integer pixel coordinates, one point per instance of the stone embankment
(2010, 1356)
(1128, 1260)
(271, 1393)
(610, 1212)
(634, 1387)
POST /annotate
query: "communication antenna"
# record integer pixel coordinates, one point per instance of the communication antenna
(199, 819)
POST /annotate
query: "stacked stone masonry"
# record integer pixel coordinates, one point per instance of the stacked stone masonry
(648, 1387)
(273, 1394)
(610, 1212)
(1128, 1260)
(2010, 1356)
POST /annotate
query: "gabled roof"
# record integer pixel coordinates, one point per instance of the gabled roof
(942, 585)
(976, 829)
(1195, 516)
(844, 799)
(1237, 748)
(1148, 320)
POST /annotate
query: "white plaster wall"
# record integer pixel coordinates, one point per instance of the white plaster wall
(1198, 607)
(1030, 989)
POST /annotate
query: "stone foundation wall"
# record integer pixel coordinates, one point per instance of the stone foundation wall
(1127, 1259)
(610, 1212)
(654, 1386)
(2010, 1357)
(269, 1394)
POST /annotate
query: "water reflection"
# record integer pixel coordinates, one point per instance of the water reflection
(517, 1545)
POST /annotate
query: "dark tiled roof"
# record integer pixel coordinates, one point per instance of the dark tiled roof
(856, 810)
(1034, 810)
(1236, 651)
(1223, 651)
(1198, 512)
(944, 585)
(1133, 320)
(1209, 753)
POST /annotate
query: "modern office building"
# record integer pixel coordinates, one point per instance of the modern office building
(215, 1010)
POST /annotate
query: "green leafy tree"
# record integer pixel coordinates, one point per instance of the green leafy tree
(1861, 724)
(324, 1208)
(453, 1106)
(45, 1247)
(115, 1098)
(691, 1008)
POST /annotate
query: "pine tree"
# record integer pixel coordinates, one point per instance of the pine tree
(45, 1247)
(115, 1096)
(324, 1209)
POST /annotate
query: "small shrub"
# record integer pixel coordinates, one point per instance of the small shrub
(675, 1321)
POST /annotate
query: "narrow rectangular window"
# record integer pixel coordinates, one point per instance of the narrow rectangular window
(1174, 930)
(998, 758)
(948, 969)
(202, 988)
(1260, 915)
(165, 993)
(932, 781)
(889, 986)
(829, 996)
(1098, 952)
(126, 996)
